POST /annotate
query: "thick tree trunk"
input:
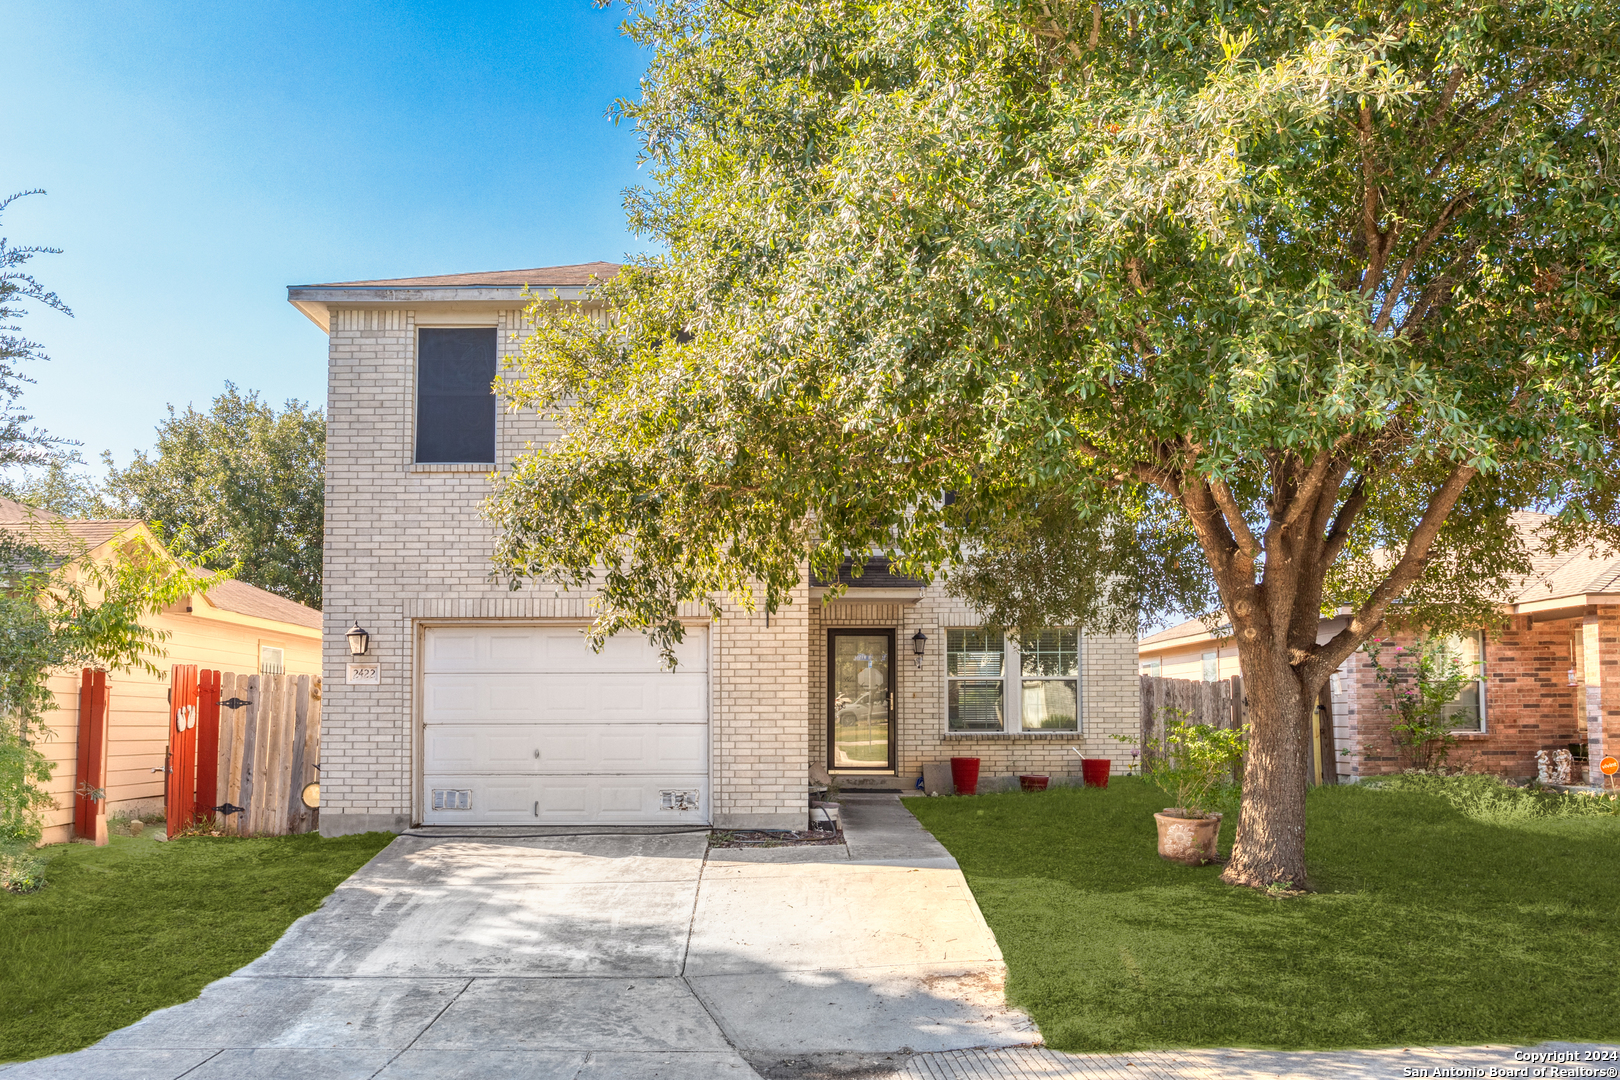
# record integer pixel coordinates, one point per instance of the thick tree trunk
(1270, 844)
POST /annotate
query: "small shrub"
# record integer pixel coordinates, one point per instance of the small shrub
(1416, 686)
(1491, 800)
(22, 869)
(1192, 763)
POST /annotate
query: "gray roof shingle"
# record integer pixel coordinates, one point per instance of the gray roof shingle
(574, 275)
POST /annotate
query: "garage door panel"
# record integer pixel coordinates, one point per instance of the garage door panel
(490, 749)
(557, 649)
(671, 698)
(546, 800)
(526, 725)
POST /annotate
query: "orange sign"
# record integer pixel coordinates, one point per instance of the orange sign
(1609, 766)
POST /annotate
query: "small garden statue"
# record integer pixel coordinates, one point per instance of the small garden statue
(1554, 766)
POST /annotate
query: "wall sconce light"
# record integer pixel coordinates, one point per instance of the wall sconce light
(358, 640)
(919, 644)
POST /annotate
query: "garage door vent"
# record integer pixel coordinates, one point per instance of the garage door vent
(679, 800)
(451, 799)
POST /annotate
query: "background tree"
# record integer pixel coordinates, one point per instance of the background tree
(60, 485)
(20, 442)
(243, 484)
(1309, 297)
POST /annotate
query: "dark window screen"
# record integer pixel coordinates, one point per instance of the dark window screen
(455, 406)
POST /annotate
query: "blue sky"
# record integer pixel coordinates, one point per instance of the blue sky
(199, 158)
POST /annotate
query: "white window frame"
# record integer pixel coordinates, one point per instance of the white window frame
(1012, 687)
(1212, 666)
(1007, 716)
(1153, 667)
(1479, 680)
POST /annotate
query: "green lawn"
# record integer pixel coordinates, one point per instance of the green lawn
(138, 925)
(1430, 925)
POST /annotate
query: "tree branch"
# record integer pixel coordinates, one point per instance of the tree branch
(1246, 543)
(1457, 204)
(1326, 658)
(1378, 242)
(1339, 534)
(1452, 82)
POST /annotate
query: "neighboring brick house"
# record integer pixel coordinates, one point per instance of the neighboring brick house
(487, 708)
(233, 627)
(1549, 678)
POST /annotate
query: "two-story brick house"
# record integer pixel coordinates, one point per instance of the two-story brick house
(482, 705)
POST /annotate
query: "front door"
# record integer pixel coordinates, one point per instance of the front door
(860, 698)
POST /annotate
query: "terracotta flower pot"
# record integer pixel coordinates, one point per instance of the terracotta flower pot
(1032, 782)
(1187, 840)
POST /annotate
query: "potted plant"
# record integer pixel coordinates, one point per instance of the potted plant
(1192, 764)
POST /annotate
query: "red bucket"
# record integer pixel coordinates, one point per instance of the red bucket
(1033, 781)
(965, 775)
(1095, 771)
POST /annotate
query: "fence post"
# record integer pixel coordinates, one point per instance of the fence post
(182, 778)
(90, 815)
(294, 804)
(207, 743)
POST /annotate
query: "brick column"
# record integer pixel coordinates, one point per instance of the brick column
(1600, 645)
(761, 745)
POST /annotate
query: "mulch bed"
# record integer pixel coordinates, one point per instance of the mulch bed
(741, 838)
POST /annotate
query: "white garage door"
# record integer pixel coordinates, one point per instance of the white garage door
(525, 725)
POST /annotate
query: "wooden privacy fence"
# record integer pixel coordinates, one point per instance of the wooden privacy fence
(254, 744)
(1219, 704)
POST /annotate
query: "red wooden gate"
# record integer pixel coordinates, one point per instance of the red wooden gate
(182, 778)
(207, 743)
(90, 778)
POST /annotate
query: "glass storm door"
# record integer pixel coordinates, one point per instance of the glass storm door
(860, 695)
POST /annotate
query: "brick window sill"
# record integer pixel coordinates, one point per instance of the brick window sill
(425, 467)
(1011, 736)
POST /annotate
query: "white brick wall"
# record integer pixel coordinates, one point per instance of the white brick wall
(1109, 689)
(407, 547)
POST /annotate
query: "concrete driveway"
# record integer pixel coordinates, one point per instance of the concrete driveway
(578, 956)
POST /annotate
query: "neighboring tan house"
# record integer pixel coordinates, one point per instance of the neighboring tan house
(232, 627)
(1549, 679)
(487, 706)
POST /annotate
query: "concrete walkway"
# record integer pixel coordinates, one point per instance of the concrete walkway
(551, 954)
(461, 953)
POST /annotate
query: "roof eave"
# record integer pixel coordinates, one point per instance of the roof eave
(1572, 602)
(316, 301)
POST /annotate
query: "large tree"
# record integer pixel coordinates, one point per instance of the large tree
(241, 486)
(1280, 308)
(20, 442)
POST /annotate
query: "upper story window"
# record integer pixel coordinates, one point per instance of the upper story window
(455, 396)
(1212, 666)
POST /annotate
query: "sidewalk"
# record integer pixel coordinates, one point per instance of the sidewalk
(1039, 1063)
